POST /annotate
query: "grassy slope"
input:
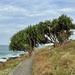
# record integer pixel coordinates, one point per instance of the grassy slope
(57, 61)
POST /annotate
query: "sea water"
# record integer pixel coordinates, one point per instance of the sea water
(5, 53)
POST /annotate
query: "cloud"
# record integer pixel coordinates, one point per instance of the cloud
(10, 10)
(67, 9)
(26, 8)
(42, 13)
(18, 14)
(8, 31)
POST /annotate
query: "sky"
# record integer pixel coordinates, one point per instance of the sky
(16, 15)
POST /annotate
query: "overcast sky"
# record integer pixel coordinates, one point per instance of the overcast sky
(18, 14)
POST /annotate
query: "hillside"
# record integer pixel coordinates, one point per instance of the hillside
(56, 61)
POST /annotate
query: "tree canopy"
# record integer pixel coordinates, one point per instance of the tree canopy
(56, 31)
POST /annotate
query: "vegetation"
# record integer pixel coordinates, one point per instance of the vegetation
(56, 31)
(56, 61)
(7, 67)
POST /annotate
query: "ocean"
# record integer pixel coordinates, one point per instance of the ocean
(5, 53)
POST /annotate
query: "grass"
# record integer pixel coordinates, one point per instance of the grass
(56, 61)
(41, 63)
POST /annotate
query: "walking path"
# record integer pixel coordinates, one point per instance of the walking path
(24, 68)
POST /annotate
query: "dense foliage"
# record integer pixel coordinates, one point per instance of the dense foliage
(56, 31)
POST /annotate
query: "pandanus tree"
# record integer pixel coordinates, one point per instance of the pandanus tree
(56, 31)
(27, 39)
(19, 41)
(42, 28)
(32, 39)
(65, 25)
(61, 29)
(24, 40)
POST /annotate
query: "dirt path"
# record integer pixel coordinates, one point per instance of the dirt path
(24, 68)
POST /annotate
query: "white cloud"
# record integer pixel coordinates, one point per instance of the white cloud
(67, 9)
(8, 31)
(42, 13)
(31, 10)
(9, 11)
(18, 14)
(10, 8)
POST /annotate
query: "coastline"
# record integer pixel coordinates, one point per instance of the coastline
(9, 65)
(4, 60)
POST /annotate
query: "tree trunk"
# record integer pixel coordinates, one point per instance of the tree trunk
(31, 51)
